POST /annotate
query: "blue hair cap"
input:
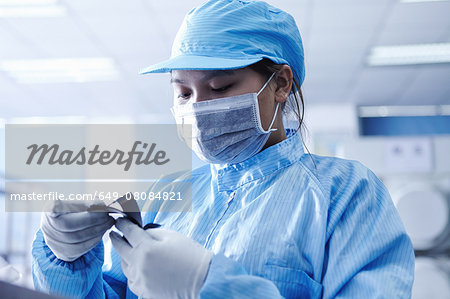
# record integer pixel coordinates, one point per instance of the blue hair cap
(231, 34)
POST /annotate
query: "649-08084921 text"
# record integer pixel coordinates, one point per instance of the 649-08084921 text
(164, 196)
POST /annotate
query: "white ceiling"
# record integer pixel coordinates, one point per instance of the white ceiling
(337, 35)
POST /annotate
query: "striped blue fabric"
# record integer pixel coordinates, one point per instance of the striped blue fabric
(279, 225)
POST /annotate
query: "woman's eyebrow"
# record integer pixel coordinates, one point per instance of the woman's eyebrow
(208, 76)
(217, 73)
(175, 80)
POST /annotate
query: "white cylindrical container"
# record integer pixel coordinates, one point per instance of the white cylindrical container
(431, 278)
(424, 211)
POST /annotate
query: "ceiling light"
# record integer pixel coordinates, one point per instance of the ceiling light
(410, 54)
(394, 111)
(61, 70)
(31, 8)
(445, 109)
(26, 2)
(32, 12)
(416, 1)
(45, 120)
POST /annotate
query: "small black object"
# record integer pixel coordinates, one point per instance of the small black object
(151, 225)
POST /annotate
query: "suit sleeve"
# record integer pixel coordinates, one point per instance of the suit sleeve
(82, 278)
(368, 253)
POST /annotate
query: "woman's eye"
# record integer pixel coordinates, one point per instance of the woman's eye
(222, 89)
(184, 95)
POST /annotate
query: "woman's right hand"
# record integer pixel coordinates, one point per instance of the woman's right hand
(70, 230)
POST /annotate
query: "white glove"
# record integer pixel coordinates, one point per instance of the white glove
(7, 272)
(71, 234)
(160, 263)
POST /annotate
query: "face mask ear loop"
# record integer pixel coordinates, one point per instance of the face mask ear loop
(273, 119)
(276, 109)
(264, 86)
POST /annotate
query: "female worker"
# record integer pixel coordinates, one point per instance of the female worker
(268, 220)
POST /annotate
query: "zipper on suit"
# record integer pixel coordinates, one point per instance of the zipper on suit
(229, 200)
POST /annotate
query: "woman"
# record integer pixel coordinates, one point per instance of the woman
(268, 220)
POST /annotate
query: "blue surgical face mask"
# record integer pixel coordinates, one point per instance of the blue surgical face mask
(225, 130)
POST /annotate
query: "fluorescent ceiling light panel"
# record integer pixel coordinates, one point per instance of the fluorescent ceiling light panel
(26, 2)
(33, 12)
(416, 1)
(68, 119)
(390, 111)
(61, 70)
(31, 9)
(410, 54)
(445, 109)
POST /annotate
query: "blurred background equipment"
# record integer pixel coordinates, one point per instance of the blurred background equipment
(431, 278)
(377, 89)
(413, 163)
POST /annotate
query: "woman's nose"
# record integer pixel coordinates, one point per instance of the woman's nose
(199, 97)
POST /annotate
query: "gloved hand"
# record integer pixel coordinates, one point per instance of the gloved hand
(72, 233)
(160, 263)
(7, 272)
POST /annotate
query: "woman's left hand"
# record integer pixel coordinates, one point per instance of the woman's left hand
(160, 263)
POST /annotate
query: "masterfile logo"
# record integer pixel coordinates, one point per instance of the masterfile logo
(48, 162)
(53, 155)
